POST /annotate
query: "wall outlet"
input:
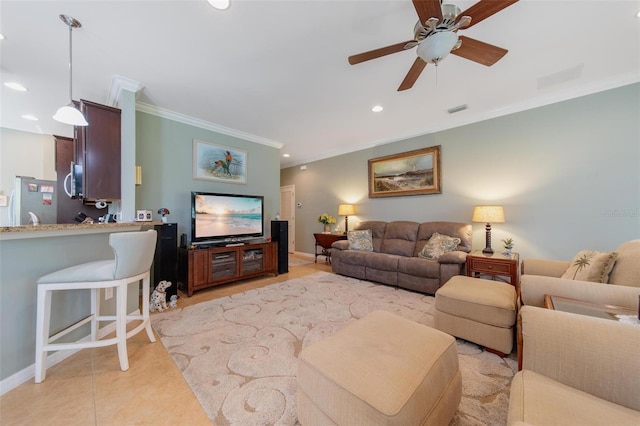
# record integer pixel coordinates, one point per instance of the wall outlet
(108, 293)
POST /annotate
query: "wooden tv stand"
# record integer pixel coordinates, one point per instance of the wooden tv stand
(200, 268)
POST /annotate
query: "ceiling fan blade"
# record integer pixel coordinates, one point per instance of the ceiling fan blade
(412, 75)
(376, 53)
(484, 9)
(428, 9)
(479, 51)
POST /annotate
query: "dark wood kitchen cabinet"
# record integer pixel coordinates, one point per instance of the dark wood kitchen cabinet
(97, 150)
(67, 207)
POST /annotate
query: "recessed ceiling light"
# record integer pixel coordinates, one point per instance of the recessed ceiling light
(30, 117)
(1, 36)
(286, 155)
(16, 86)
(219, 4)
(377, 108)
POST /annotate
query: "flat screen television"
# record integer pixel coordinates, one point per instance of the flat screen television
(225, 217)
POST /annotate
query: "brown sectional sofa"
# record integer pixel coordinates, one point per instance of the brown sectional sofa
(394, 259)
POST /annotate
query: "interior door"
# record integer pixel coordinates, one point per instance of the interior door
(288, 212)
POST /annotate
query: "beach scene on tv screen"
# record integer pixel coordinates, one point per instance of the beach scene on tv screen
(220, 216)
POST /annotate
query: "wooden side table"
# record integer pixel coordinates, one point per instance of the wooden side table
(324, 241)
(496, 265)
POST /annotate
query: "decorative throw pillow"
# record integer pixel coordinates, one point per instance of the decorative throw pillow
(590, 265)
(438, 245)
(360, 240)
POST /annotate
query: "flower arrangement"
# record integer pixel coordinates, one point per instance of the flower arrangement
(326, 219)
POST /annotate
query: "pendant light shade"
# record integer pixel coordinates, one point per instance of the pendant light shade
(69, 114)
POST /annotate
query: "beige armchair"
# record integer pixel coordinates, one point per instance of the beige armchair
(578, 370)
(540, 277)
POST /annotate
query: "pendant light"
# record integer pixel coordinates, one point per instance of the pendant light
(69, 114)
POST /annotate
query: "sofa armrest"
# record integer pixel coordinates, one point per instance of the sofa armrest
(455, 256)
(534, 287)
(340, 245)
(594, 355)
(546, 267)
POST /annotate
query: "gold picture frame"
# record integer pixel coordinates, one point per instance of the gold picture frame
(219, 163)
(415, 172)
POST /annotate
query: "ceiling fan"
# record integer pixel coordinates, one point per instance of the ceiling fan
(435, 35)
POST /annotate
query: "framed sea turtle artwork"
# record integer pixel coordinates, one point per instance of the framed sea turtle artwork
(219, 163)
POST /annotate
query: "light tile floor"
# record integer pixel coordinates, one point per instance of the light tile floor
(88, 388)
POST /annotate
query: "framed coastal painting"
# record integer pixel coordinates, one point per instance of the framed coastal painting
(219, 163)
(409, 173)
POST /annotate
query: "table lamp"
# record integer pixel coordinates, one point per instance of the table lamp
(346, 210)
(488, 214)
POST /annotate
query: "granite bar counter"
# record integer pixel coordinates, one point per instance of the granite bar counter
(29, 252)
(56, 230)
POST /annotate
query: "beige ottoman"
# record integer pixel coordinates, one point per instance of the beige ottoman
(382, 369)
(477, 310)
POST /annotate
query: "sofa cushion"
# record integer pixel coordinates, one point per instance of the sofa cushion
(626, 270)
(590, 265)
(539, 400)
(400, 238)
(438, 245)
(377, 231)
(382, 261)
(419, 267)
(360, 240)
(463, 231)
(352, 257)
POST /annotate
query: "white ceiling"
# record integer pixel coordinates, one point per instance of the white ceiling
(276, 72)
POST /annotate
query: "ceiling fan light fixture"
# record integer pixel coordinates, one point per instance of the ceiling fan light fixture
(69, 114)
(437, 46)
(450, 12)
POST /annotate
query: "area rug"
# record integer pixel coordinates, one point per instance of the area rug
(238, 353)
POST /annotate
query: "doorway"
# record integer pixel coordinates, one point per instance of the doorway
(288, 213)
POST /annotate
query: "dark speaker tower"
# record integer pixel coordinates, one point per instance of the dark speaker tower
(165, 261)
(280, 233)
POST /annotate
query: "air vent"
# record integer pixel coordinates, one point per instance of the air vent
(457, 109)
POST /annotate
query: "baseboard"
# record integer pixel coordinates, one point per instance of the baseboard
(29, 372)
(303, 254)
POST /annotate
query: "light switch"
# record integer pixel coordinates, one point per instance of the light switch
(3, 201)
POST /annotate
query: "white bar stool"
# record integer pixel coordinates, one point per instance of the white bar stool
(134, 253)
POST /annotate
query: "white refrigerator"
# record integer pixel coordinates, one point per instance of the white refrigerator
(33, 202)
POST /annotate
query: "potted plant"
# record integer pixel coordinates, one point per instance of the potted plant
(507, 243)
(327, 220)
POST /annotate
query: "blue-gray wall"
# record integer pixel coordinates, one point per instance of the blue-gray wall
(164, 149)
(567, 174)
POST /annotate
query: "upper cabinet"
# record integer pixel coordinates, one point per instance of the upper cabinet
(98, 151)
(67, 208)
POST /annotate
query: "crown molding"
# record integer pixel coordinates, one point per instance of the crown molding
(207, 125)
(469, 117)
(118, 84)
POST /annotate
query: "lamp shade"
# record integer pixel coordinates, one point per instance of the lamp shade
(69, 114)
(346, 209)
(488, 214)
(436, 47)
